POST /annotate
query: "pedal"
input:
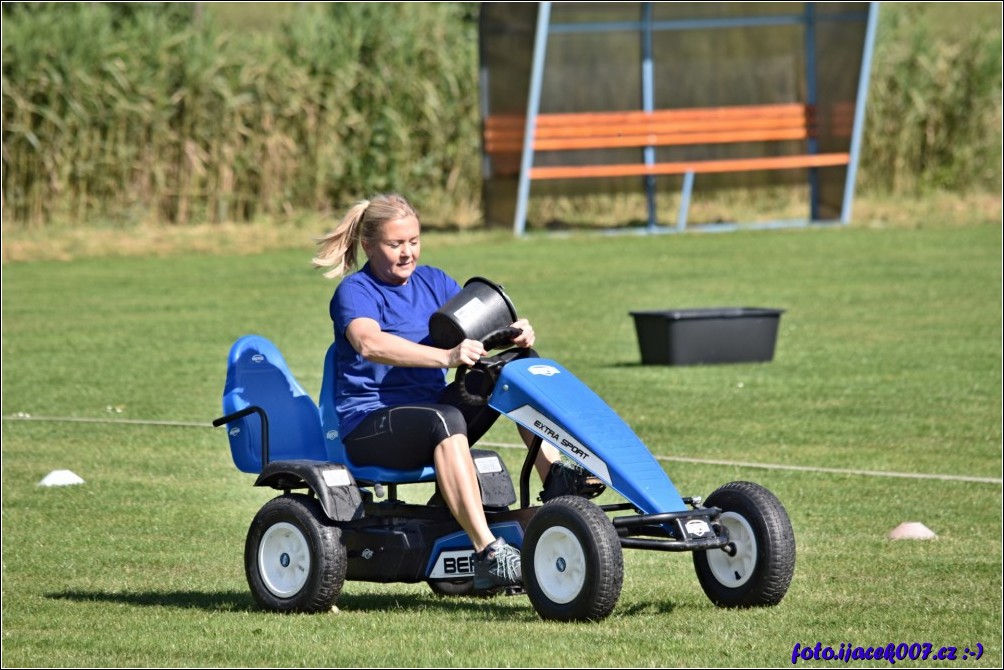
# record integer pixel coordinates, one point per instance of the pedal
(590, 487)
(565, 480)
(586, 485)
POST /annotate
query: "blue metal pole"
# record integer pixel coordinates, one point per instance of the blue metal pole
(485, 105)
(648, 103)
(812, 98)
(859, 111)
(532, 108)
(684, 213)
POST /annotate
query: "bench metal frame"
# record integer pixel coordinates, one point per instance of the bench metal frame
(648, 167)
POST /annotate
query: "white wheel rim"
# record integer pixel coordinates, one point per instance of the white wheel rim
(284, 559)
(559, 565)
(735, 570)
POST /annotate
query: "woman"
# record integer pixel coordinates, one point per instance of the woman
(393, 402)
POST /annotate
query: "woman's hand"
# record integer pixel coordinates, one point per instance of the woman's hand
(470, 352)
(467, 352)
(527, 337)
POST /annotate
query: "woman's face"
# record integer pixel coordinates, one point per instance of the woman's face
(394, 256)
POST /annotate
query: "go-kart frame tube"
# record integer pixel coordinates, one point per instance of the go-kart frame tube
(672, 524)
(668, 524)
(240, 414)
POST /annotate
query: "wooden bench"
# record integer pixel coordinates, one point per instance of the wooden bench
(503, 141)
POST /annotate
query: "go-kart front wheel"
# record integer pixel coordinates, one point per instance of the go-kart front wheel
(573, 567)
(756, 566)
(294, 559)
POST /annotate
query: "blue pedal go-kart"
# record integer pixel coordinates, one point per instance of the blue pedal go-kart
(335, 521)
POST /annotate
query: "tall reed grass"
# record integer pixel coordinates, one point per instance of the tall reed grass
(135, 117)
(934, 117)
(152, 112)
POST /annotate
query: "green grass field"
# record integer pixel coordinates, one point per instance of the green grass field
(888, 361)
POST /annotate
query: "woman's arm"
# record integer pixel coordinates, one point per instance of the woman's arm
(373, 344)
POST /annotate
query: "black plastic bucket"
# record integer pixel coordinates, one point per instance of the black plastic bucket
(480, 308)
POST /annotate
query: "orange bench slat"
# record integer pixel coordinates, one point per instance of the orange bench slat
(518, 121)
(503, 137)
(656, 138)
(682, 167)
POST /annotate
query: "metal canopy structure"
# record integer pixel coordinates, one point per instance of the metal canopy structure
(556, 58)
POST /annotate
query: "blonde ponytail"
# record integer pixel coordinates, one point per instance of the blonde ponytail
(363, 221)
(338, 248)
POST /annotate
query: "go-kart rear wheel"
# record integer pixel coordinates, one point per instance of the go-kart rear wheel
(756, 567)
(573, 567)
(293, 557)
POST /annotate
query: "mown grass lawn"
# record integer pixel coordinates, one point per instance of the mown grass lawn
(888, 360)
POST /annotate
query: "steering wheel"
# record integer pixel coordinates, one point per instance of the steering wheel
(493, 340)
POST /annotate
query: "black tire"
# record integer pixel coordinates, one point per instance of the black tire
(756, 568)
(573, 566)
(294, 558)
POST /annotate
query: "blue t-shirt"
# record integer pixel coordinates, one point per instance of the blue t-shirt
(362, 386)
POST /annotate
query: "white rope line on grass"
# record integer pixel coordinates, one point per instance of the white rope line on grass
(134, 422)
(800, 468)
(840, 471)
(504, 445)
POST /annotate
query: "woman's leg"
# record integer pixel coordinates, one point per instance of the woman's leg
(413, 436)
(480, 419)
(458, 484)
(547, 455)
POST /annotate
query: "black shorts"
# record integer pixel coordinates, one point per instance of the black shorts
(405, 437)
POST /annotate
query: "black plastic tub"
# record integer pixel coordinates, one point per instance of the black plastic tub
(707, 335)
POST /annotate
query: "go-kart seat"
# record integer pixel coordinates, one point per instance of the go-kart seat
(257, 375)
(365, 475)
